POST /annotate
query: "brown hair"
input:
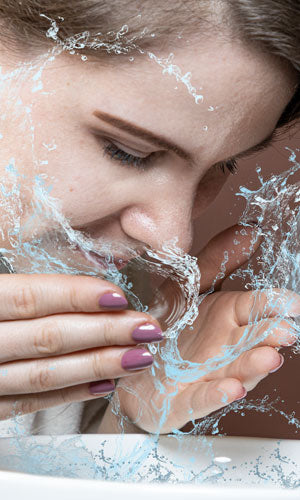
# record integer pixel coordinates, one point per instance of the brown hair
(274, 25)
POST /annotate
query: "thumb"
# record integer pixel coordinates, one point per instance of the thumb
(226, 252)
(199, 399)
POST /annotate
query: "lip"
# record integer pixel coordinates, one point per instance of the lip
(119, 262)
(104, 261)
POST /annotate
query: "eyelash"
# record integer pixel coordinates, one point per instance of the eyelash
(231, 165)
(118, 154)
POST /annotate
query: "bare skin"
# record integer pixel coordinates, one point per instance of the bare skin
(105, 198)
(223, 319)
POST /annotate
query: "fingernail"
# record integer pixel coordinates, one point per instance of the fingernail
(147, 333)
(101, 387)
(113, 301)
(289, 343)
(280, 365)
(243, 396)
(136, 359)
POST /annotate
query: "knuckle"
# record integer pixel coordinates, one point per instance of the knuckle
(28, 405)
(24, 301)
(97, 365)
(73, 300)
(48, 340)
(107, 332)
(40, 379)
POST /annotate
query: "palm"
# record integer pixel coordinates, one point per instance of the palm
(222, 321)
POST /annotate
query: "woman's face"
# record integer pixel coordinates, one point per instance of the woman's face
(89, 121)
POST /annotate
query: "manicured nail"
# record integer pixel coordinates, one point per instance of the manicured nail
(101, 387)
(243, 396)
(136, 359)
(280, 365)
(147, 333)
(113, 301)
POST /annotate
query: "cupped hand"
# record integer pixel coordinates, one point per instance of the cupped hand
(64, 339)
(242, 330)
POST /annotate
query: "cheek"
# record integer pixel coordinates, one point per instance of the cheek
(80, 178)
(83, 197)
(208, 189)
(90, 190)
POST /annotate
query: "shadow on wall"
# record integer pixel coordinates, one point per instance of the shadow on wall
(225, 212)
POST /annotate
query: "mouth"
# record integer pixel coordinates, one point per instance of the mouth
(104, 261)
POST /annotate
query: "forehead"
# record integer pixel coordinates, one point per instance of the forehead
(244, 92)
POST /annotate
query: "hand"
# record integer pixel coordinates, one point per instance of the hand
(222, 321)
(58, 333)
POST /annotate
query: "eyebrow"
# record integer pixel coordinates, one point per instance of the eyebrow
(148, 136)
(257, 148)
(161, 142)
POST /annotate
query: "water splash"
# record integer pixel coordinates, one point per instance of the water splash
(173, 70)
(61, 249)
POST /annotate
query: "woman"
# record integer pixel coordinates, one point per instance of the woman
(136, 156)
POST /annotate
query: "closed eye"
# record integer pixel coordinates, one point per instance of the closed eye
(115, 153)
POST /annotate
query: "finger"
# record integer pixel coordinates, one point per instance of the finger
(256, 305)
(29, 403)
(30, 376)
(35, 295)
(231, 248)
(254, 365)
(274, 333)
(65, 333)
(200, 399)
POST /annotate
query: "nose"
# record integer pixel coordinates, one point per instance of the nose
(160, 215)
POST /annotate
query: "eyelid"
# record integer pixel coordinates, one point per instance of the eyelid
(109, 137)
(127, 149)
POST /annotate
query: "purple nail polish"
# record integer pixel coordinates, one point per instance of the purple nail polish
(281, 363)
(147, 333)
(113, 301)
(101, 387)
(243, 396)
(136, 359)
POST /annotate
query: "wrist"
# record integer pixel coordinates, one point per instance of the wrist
(110, 424)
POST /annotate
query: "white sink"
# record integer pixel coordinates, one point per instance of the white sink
(111, 467)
